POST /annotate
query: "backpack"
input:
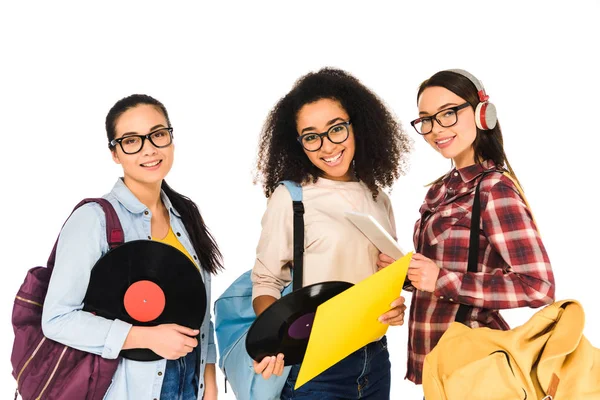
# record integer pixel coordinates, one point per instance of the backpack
(43, 367)
(234, 315)
(547, 358)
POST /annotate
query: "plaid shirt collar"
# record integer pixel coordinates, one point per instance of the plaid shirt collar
(467, 174)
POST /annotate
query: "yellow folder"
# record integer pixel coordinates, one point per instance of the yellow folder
(349, 321)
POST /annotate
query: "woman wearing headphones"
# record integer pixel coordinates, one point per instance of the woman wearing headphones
(510, 267)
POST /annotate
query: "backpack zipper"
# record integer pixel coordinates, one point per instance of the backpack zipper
(36, 349)
(29, 359)
(511, 368)
(52, 374)
(28, 301)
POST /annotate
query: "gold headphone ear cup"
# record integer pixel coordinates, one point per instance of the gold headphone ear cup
(485, 116)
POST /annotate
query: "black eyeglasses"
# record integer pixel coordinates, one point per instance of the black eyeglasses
(132, 144)
(446, 118)
(337, 134)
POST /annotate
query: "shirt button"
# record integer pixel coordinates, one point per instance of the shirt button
(201, 385)
(178, 234)
(149, 237)
(202, 362)
(456, 174)
(441, 297)
(203, 336)
(146, 212)
(195, 258)
(159, 373)
(450, 300)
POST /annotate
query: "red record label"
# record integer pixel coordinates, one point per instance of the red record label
(144, 301)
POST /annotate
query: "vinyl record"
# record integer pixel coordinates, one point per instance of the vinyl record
(146, 283)
(284, 327)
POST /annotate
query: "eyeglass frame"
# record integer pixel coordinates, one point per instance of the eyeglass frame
(433, 117)
(113, 143)
(325, 134)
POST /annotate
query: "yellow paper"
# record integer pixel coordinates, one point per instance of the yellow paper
(349, 321)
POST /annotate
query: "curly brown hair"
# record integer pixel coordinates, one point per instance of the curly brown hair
(382, 146)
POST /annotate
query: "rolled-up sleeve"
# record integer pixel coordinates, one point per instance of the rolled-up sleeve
(211, 357)
(81, 243)
(274, 253)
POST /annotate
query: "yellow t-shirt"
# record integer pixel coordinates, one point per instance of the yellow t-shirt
(172, 240)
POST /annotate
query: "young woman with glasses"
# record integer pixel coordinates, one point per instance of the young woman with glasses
(140, 139)
(335, 137)
(512, 266)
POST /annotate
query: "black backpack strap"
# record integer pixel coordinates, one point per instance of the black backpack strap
(298, 244)
(114, 231)
(463, 309)
(295, 190)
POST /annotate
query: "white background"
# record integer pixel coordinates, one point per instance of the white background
(220, 68)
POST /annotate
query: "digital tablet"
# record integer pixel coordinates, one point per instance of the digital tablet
(376, 234)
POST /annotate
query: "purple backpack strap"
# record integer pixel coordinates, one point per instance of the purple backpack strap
(114, 231)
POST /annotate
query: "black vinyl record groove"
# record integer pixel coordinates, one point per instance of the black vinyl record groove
(284, 327)
(140, 265)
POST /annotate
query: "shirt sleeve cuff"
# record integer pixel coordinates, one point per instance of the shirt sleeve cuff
(211, 357)
(447, 285)
(408, 286)
(265, 291)
(115, 339)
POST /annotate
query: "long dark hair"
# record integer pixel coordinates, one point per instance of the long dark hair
(488, 145)
(382, 146)
(211, 259)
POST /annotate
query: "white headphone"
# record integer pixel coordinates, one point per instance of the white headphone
(485, 113)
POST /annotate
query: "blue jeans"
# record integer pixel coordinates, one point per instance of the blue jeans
(181, 380)
(364, 374)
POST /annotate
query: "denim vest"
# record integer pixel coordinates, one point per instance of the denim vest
(81, 243)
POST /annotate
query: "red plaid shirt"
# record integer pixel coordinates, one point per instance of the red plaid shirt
(513, 267)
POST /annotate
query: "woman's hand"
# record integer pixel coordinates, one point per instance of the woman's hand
(269, 365)
(383, 261)
(423, 273)
(170, 341)
(396, 315)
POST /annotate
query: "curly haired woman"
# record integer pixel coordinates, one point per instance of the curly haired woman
(337, 139)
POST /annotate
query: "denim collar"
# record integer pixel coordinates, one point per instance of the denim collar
(132, 204)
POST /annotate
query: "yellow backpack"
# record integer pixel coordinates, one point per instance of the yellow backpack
(547, 358)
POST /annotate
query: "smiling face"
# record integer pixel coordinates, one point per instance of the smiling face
(454, 142)
(332, 159)
(151, 164)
